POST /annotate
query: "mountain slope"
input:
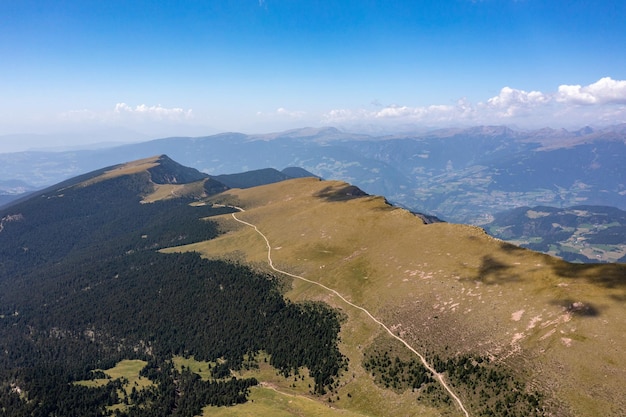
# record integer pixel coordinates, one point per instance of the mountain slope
(82, 288)
(449, 290)
(297, 172)
(73, 213)
(252, 178)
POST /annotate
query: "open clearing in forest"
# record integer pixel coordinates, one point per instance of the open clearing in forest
(201, 368)
(127, 369)
(266, 401)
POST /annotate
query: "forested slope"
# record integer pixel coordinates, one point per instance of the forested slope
(82, 287)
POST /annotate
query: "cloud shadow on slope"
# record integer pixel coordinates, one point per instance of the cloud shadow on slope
(493, 271)
(605, 275)
(511, 248)
(344, 193)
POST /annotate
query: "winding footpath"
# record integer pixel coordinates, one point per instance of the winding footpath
(437, 375)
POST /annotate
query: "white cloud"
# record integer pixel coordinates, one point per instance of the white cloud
(512, 102)
(428, 114)
(571, 105)
(275, 120)
(157, 112)
(152, 120)
(124, 112)
(604, 91)
(395, 111)
(281, 111)
(345, 115)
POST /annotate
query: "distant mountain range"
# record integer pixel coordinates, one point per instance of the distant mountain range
(459, 175)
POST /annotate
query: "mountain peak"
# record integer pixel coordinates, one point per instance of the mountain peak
(167, 171)
(587, 130)
(161, 169)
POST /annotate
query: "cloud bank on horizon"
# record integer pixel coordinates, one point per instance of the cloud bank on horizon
(599, 103)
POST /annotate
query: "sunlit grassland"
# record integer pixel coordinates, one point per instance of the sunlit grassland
(168, 191)
(266, 401)
(160, 191)
(357, 396)
(126, 370)
(445, 288)
(201, 368)
(125, 169)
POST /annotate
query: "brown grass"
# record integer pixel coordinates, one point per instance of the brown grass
(169, 191)
(445, 288)
(125, 169)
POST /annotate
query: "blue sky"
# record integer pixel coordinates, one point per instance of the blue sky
(198, 67)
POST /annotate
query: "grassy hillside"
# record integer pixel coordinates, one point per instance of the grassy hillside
(551, 328)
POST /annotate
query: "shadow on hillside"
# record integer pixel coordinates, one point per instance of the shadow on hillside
(511, 248)
(609, 276)
(347, 192)
(606, 275)
(493, 271)
(578, 308)
(620, 298)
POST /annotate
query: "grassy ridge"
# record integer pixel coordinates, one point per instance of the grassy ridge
(447, 289)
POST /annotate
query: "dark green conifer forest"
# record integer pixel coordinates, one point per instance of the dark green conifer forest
(83, 287)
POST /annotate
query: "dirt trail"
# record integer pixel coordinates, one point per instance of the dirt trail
(428, 366)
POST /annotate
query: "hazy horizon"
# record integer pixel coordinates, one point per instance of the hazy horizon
(147, 70)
